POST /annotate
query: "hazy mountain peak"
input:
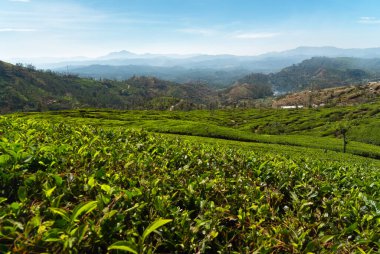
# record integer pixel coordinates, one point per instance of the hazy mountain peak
(327, 51)
(119, 54)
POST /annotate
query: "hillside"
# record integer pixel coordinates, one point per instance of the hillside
(244, 94)
(322, 72)
(23, 88)
(27, 89)
(219, 78)
(318, 73)
(314, 127)
(338, 96)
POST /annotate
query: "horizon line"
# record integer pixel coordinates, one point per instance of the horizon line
(184, 54)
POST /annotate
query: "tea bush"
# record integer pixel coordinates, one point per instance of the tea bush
(76, 188)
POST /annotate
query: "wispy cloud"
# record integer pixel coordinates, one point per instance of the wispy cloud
(369, 20)
(198, 31)
(255, 35)
(3, 30)
(21, 1)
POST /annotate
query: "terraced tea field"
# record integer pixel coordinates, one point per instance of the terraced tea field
(97, 181)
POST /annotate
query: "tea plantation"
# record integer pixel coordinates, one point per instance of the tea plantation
(91, 185)
(307, 128)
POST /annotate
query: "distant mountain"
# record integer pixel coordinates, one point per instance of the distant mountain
(124, 54)
(309, 52)
(268, 62)
(215, 70)
(215, 62)
(303, 53)
(211, 77)
(119, 55)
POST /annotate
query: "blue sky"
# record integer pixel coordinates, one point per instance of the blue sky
(36, 28)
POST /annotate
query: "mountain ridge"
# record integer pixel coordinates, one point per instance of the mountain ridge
(298, 54)
(194, 68)
(328, 51)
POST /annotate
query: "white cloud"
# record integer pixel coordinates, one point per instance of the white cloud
(2, 30)
(196, 31)
(255, 35)
(369, 20)
(21, 1)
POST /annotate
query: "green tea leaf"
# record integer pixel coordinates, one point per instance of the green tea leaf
(83, 208)
(50, 191)
(91, 182)
(15, 206)
(361, 250)
(82, 231)
(53, 240)
(22, 193)
(3, 199)
(61, 212)
(96, 154)
(58, 180)
(35, 221)
(4, 159)
(326, 238)
(122, 245)
(106, 188)
(153, 226)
